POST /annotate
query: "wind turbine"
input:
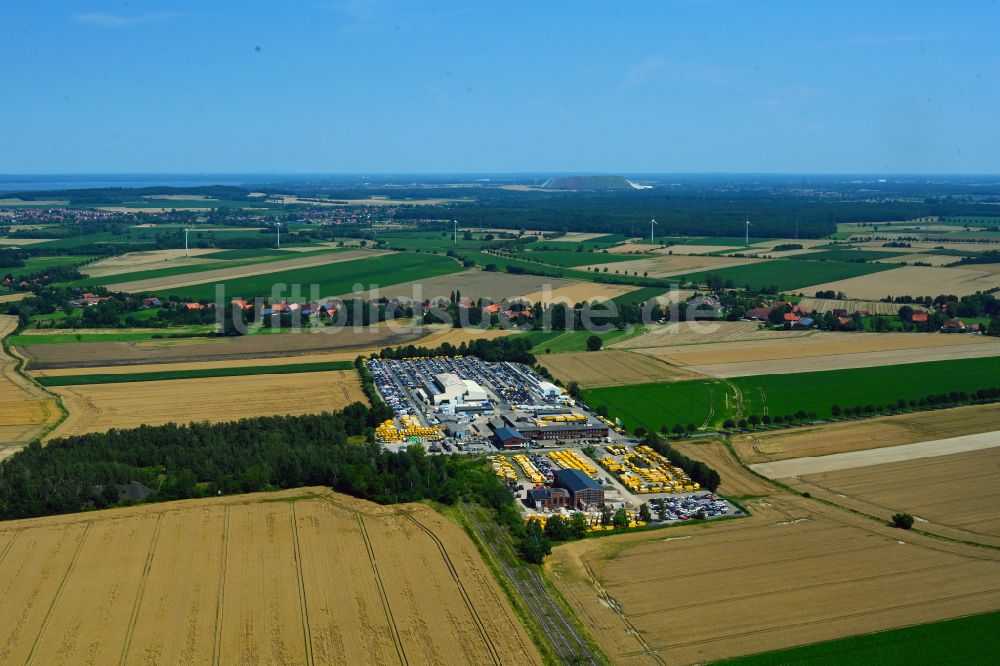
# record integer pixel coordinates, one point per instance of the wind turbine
(748, 233)
(652, 223)
(186, 230)
(278, 224)
(456, 232)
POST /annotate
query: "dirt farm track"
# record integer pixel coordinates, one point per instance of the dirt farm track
(797, 571)
(298, 577)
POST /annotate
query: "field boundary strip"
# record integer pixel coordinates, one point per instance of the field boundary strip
(193, 373)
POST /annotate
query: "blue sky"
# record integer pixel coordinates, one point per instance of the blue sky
(442, 86)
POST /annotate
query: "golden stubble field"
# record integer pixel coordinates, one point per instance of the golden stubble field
(101, 407)
(611, 367)
(704, 333)
(797, 571)
(859, 435)
(295, 577)
(25, 409)
(912, 281)
(955, 495)
(821, 351)
(324, 340)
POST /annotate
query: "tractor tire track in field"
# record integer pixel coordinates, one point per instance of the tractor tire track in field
(825, 620)
(306, 631)
(142, 586)
(480, 625)
(381, 590)
(569, 645)
(59, 591)
(222, 588)
(6, 549)
(647, 649)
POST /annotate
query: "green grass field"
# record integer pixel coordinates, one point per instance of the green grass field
(333, 279)
(712, 401)
(966, 640)
(640, 295)
(653, 406)
(573, 341)
(76, 380)
(35, 264)
(847, 254)
(790, 274)
(598, 243)
(113, 335)
(251, 253)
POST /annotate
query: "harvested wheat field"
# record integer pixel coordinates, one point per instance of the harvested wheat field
(822, 305)
(324, 340)
(824, 351)
(14, 297)
(221, 274)
(295, 577)
(663, 265)
(25, 408)
(101, 407)
(572, 293)
(796, 572)
(844, 436)
(922, 257)
(704, 333)
(578, 237)
(704, 249)
(473, 285)
(955, 495)
(144, 261)
(845, 361)
(912, 281)
(611, 368)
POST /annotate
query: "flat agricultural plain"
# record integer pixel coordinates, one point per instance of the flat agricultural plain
(845, 436)
(955, 495)
(822, 351)
(131, 262)
(185, 350)
(663, 265)
(25, 409)
(101, 407)
(610, 368)
(912, 281)
(238, 272)
(296, 577)
(822, 305)
(472, 284)
(572, 293)
(797, 571)
(704, 333)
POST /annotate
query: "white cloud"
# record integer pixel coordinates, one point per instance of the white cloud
(105, 20)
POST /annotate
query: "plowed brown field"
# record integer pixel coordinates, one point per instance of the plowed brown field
(302, 576)
(797, 571)
(100, 407)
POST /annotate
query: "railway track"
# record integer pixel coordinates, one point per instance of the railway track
(565, 638)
